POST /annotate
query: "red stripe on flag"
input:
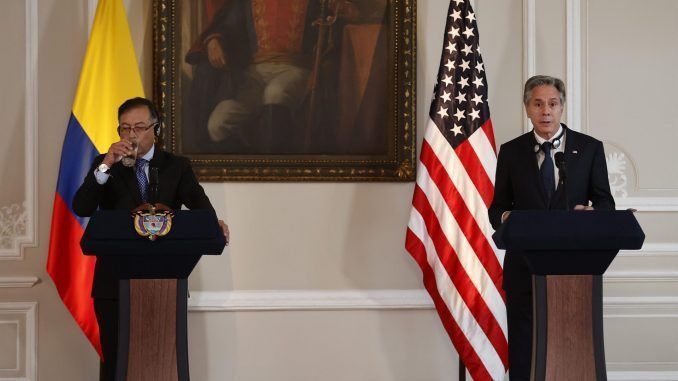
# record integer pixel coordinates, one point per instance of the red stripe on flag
(460, 278)
(461, 343)
(476, 172)
(489, 132)
(71, 271)
(467, 223)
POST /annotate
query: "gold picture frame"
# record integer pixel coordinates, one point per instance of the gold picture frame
(347, 114)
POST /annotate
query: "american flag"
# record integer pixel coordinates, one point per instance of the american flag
(449, 233)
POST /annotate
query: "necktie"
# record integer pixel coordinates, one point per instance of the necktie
(142, 180)
(548, 176)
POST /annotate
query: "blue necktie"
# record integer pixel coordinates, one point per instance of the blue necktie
(142, 180)
(547, 172)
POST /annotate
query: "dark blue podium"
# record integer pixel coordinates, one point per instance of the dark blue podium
(152, 331)
(567, 253)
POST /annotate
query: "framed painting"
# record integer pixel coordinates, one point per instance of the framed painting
(291, 90)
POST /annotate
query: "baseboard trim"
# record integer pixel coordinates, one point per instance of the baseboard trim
(413, 299)
(642, 376)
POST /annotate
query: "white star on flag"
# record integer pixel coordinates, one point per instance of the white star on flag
(459, 114)
(477, 99)
(461, 97)
(454, 32)
(478, 82)
(448, 80)
(463, 82)
(456, 15)
(456, 129)
(467, 49)
(468, 33)
(442, 112)
(474, 114)
(446, 96)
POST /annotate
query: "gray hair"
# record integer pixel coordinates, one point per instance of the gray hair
(543, 80)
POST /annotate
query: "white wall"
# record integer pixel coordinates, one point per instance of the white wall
(316, 284)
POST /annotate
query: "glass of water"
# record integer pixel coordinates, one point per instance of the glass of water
(131, 159)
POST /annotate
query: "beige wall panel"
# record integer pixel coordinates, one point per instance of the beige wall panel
(328, 346)
(551, 47)
(501, 44)
(311, 236)
(652, 339)
(632, 57)
(9, 345)
(659, 226)
(12, 106)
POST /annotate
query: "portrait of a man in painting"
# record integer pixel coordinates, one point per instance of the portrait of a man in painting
(265, 78)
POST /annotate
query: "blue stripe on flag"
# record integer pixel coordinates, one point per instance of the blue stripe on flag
(77, 155)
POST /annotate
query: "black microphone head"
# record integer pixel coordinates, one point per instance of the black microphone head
(560, 159)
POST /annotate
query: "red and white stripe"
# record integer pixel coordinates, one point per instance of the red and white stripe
(449, 235)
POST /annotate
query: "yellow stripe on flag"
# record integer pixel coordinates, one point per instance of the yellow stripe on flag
(110, 75)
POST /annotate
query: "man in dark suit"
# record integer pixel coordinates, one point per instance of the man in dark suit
(526, 178)
(111, 185)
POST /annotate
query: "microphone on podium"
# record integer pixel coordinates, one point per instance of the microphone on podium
(562, 174)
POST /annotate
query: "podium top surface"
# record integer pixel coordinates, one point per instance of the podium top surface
(193, 232)
(570, 230)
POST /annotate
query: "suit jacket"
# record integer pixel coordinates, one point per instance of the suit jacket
(177, 186)
(518, 187)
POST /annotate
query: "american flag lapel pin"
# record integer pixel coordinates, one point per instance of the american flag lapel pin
(574, 152)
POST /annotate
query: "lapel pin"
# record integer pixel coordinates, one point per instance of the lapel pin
(574, 151)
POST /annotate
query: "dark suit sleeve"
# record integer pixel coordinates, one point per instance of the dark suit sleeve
(503, 192)
(191, 192)
(89, 195)
(599, 184)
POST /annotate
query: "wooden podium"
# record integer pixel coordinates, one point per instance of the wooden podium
(152, 327)
(567, 252)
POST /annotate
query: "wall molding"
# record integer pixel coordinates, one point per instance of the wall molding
(642, 376)
(648, 204)
(640, 307)
(30, 205)
(668, 249)
(574, 67)
(18, 282)
(316, 300)
(29, 311)
(411, 299)
(529, 47)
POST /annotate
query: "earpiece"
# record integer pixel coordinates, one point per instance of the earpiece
(554, 144)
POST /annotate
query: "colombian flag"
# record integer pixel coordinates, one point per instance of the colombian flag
(109, 76)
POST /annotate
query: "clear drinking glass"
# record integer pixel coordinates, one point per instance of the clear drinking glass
(131, 159)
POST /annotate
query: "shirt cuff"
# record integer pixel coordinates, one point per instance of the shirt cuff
(101, 177)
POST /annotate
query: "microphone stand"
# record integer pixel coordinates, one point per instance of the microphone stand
(562, 176)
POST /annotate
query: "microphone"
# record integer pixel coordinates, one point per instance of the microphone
(562, 174)
(560, 163)
(153, 185)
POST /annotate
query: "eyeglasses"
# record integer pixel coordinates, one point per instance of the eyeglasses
(138, 129)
